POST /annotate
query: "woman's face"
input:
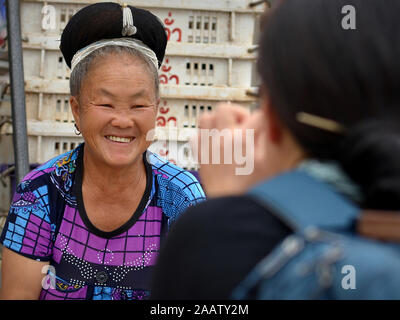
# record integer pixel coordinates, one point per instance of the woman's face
(116, 109)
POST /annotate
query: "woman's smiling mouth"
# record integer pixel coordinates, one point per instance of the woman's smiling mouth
(120, 139)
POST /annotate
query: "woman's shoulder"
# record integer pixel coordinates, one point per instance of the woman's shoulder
(55, 173)
(236, 214)
(227, 207)
(172, 178)
(65, 159)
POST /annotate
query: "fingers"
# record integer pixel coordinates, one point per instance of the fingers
(230, 115)
(256, 121)
(207, 121)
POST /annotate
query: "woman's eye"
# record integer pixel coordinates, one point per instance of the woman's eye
(105, 105)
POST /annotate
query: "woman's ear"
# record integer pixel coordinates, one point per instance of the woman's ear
(73, 101)
(274, 125)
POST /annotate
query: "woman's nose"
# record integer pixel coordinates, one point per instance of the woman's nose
(122, 120)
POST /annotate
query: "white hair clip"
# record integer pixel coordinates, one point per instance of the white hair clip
(320, 122)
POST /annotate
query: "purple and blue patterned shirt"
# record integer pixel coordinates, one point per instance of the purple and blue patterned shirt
(47, 221)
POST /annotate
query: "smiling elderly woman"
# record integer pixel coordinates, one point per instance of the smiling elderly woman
(94, 217)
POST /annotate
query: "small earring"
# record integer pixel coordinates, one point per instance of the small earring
(77, 132)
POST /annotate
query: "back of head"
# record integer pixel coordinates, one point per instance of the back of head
(311, 63)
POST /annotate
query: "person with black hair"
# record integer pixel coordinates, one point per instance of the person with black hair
(88, 224)
(329, 109)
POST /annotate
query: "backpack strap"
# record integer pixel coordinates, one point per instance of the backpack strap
(302, 201)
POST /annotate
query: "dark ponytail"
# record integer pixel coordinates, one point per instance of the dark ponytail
(370, 155)
(309, 63)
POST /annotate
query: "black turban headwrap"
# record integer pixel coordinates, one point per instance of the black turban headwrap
(101, 21)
